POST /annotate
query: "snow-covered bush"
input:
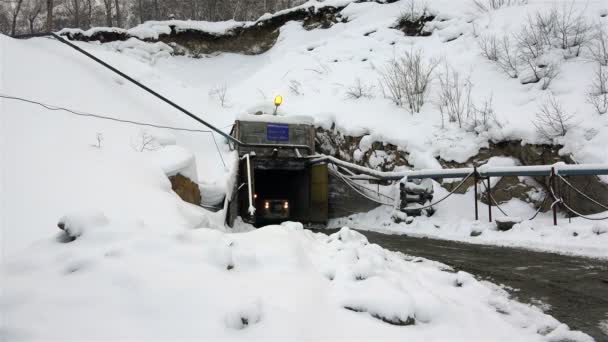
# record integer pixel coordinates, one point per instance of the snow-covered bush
(530, 53)
(552, 121)
(490, 5)
(454, 95)
(597, 94)
(414, 11)
(406, 80)
(359, 90)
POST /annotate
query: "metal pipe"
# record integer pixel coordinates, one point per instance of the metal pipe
(251, 206)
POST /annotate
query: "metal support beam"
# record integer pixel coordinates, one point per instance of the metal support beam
(489, 200)
(552, 185)
(475, 177)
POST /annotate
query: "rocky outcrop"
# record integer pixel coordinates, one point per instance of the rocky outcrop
(249, 38)
(186, 189)
(379, 156)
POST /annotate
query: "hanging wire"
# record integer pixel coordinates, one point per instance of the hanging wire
(561, 201)
(581, 193)
(104, 117)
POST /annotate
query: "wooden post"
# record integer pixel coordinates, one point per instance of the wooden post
(489, 200)
(552, 184)
(475, 187)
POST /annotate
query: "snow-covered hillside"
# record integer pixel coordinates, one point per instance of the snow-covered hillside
(146, 265)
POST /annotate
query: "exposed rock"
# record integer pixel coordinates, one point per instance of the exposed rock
(380, 156)
(414, 26)
(186, 189)
(538, 155)
(508, 188)
(247, 39)
(506, 223)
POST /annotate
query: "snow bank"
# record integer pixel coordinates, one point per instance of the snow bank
(278, 282)
(289, 119)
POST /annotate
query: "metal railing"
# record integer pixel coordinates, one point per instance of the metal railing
(484, 174)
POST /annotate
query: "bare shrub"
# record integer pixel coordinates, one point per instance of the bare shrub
(145, 142)
(489, 5)
(489, 46)
(548, 73)
(220, 92)
(597, 94)
(484, 117)
(99, 141)
(508, 57)
(534, 36)
(407, 80)
(359, 90)
(533, 43)
(412, 12)
(454, 96)
(598, 46)
(571, 29)
(390, 83)
(552, 121)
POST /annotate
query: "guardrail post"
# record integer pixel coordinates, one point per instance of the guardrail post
(475, 187)
(552, 185)
(489, 200)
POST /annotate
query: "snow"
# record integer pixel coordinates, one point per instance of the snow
(283, 119)
(132, 282)
(145, 265)
(454, 220)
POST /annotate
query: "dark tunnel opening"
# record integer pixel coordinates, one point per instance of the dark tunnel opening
(280, 186)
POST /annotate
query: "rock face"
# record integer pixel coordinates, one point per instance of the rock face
(415, 26)
(506, 223)
(247, 39)
(378, 155)
(186, 189)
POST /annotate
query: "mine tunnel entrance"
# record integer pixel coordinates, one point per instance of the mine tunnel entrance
(281, 195)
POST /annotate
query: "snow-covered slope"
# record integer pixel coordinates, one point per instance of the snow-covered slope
(280, 282)
(140, 269)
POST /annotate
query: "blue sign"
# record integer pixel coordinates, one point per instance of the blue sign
(277, 132)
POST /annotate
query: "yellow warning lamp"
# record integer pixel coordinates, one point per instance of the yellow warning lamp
(277, 102)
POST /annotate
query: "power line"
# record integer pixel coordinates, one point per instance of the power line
(104, 117)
